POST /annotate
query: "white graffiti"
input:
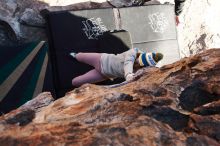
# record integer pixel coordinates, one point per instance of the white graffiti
(94, 28)
(158, 22)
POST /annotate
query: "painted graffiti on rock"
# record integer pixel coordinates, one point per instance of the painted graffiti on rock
(158, 22)
(94, 28)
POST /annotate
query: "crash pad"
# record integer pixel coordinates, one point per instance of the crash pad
(152, 28)
(25, 71)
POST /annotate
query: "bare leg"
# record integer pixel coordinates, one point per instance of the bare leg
(93, 76)
(92, 59)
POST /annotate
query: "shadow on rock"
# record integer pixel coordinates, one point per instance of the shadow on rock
(167, 115)
(196, 95)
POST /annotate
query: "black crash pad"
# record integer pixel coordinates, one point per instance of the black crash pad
(79, 29)
(25, 71)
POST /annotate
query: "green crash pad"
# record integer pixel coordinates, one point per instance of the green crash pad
(25, 71)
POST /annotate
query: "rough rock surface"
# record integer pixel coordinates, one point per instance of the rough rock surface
(177, 104)
(199, 28)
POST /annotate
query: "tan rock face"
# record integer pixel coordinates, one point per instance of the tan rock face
(166, 106)
(199, 29)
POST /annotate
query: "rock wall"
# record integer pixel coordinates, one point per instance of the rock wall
(177, 104)
(20, 21)
(199, 28)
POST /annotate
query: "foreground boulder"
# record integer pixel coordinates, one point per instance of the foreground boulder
(177, 104)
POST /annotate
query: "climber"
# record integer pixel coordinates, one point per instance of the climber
(178, 9)
(110, 66)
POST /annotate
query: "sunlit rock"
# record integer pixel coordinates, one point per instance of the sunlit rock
(161, 106)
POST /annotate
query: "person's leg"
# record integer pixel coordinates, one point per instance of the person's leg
(92, 59)
(93, 76)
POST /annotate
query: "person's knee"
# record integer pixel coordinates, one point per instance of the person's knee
(76, 83)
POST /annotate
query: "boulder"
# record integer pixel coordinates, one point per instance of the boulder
(161, 106)
(199, 28)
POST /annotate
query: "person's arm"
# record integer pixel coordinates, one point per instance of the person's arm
(130, 57)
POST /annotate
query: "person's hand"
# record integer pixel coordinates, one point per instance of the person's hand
(177, 21)
(130, 77)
